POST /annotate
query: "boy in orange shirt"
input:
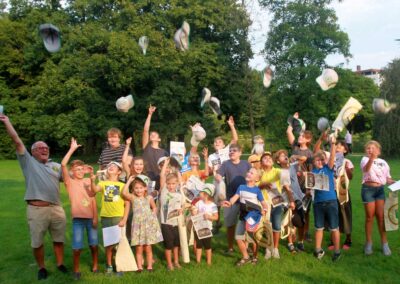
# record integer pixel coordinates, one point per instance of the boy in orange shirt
(83, 207)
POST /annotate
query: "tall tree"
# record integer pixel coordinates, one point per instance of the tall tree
(386, 126)
(302, 34)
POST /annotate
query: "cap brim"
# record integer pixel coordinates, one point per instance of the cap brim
(214, 105)
(51, 37)
(194, 142)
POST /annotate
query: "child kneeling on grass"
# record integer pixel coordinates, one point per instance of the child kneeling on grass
(249, 192)
(83, 207)
(325, 203)
(114, 209)
(209, 209)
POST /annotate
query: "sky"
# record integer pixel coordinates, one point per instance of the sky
(372, 26)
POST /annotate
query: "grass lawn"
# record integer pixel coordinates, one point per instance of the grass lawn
(17, 264)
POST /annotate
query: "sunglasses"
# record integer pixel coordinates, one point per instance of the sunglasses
(233, 150)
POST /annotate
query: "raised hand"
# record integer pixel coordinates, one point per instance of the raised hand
(296, 115)
(231, 121)
(205, 152)
(152, 109)
(74, 144)
(129, 141)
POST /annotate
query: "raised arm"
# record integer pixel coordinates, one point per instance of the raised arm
(318, 144)
(289, 131)
(231, 124)
(125, 191)
(126, 159)
(93, 187)
(19, 145)
(146, 128)
(332, 156)
(205, 154)
(72, 148)
(163, 173)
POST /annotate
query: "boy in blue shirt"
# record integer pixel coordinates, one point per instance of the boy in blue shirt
(325, 203)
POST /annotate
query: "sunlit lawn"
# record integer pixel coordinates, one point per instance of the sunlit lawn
(17, 264)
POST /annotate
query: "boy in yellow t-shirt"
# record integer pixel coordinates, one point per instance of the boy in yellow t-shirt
(114, 209)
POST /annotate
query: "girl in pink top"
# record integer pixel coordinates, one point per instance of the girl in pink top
(376, 173)
(83, 207)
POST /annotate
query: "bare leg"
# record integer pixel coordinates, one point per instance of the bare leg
(379, 209)
(276, 237)
(149, 256)
(335, 237)
(38, 253)
(168, 257)
(243, 248)
(109, 252)
(198, 254)
(77, 254)
(95, 256)
(369, 220)
(59, 252)
(208, 256)
(318, 239)
(176, 256)
(139, 256)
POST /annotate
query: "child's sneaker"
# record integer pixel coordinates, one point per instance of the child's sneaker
(42, 274)
(254, 260)
(291, 249)
(275, 253)
(268, 254)
(336, 256)
(319, 254)
(347, 245)
(300, 246)
(368, 249)
(109, 270)
(386, 250)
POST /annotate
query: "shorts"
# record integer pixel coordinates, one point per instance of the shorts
(240, 232)
(326, 211)
(276, 218)
(171, 236)
(231, 215)
(203, 243)
(42, 219)
(372, 193)
(110, 221)
(78, 228)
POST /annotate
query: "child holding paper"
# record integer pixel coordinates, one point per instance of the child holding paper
(114, 209)
(169, 185)
(83, 207)
(325, 203)
(194, 164)
(145, 227)
(209, 209)
(249, 192)
(376, 173)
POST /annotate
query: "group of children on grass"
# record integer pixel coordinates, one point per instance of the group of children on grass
(236, 183)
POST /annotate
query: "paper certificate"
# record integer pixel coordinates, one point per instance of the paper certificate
(317, 181)
(111, 235)
(395, 186)
(174, 207)
(202, 226)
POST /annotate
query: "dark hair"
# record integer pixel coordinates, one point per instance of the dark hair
(343, 143)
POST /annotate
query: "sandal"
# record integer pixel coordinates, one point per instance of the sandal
(243, 261)
(177, 266)
(254, 260)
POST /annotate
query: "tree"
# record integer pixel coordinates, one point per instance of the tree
(386, 126)
(302, 34)
(73, 92)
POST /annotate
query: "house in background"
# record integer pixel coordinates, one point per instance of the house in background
(374, 74)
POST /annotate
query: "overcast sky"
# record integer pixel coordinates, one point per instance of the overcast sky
(372, 26)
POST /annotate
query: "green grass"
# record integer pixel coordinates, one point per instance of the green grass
(17, 264)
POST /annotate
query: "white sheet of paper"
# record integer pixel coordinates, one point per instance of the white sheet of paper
(111, 235)
(395, 186)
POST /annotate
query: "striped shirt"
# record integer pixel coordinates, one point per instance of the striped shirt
(112, 154)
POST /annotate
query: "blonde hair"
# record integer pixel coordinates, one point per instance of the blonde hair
(171, 176)
(76, 163)
(373, 142)
(114, 131)
(320, 154)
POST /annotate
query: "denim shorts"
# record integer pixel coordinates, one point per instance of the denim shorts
(372, 193)
(276, 218)
(78, 227)
(240, 231)
(326, 212)
(231, 215)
